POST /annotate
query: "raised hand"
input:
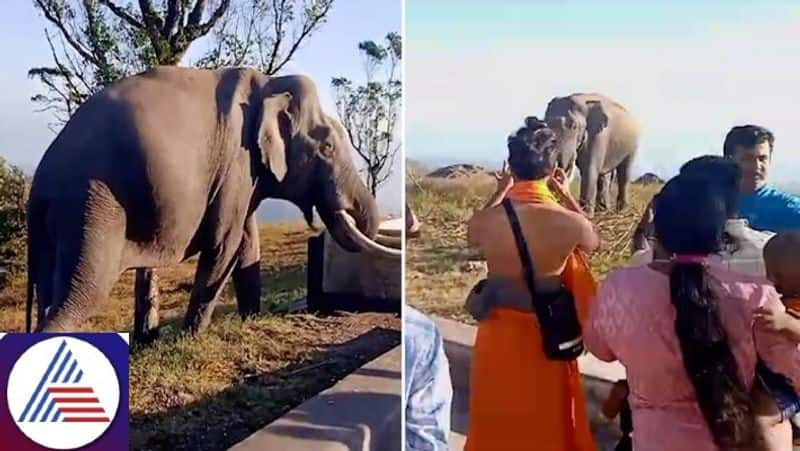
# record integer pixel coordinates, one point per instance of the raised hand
(505, 179)
(558, 182)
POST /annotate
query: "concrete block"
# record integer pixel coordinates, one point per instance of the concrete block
(341, 280)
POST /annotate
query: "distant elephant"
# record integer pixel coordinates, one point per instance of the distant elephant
(600, 137)
(173, 162)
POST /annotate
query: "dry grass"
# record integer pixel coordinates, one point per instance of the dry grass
(211, 391)
(438, 275)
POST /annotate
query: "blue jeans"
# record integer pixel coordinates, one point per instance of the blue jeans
(779, 387)
(428, 390)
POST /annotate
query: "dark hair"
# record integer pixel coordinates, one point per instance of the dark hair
(747, 136)
(721, 172)
(532, 150)
(690, 219)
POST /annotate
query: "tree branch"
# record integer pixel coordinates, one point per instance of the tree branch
(171, 19)
(149, 15)
(304, 34)
(58, 21)
(121, 13)
(195, 31)
(197, 13)
(182, 20)
(278, 22)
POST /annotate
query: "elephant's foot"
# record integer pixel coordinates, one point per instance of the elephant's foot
(145, 321)
(247, 283)
(196, 322)
(249, 311)
(588, 210)
(146, 337)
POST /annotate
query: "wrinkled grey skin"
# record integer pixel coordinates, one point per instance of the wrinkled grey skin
(599, 137)
(172, 163)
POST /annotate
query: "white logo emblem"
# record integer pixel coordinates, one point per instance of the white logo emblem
(63, 393)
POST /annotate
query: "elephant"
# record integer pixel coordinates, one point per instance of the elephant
(599, 137)
(172, 163)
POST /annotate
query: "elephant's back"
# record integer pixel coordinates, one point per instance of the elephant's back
(144, 138)
(80, 151)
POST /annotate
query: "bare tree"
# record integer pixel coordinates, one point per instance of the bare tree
(370, 112)
(96, 42)
(264, 33)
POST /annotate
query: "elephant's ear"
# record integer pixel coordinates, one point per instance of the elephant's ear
(274, 128)
(596, 118)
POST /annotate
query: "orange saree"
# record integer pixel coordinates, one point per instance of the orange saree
(519, 399)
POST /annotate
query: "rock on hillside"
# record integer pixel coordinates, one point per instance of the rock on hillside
(415, 169)
(649, 179)
(457, 171)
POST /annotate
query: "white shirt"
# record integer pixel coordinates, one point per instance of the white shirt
(746, 255)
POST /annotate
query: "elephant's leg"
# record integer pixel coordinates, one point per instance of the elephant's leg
(89, 245)
(589, 177)
(225, 217)
(623, 177)
(213, 270)
(603, 195)
(145, 316)
(247, 272)
(590, 162)
(45, 271)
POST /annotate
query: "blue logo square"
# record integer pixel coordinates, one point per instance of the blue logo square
(64, 391)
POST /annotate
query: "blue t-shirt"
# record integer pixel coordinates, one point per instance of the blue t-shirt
(769, 208)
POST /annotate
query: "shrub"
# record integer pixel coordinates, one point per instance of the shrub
(13, 198)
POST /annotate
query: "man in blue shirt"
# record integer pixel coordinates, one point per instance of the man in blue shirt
(428, 390)
(764, 206)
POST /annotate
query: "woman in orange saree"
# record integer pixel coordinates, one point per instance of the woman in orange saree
(520, 399)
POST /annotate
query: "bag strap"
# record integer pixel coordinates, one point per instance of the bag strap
(522, 248)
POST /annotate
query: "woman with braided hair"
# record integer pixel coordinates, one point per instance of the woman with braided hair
(684, 328)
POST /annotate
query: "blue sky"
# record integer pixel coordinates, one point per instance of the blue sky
(687, 70)
(331, 52)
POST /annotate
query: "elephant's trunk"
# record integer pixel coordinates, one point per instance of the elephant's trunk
(356, 228)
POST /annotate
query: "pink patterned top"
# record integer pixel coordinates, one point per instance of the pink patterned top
(632, 320)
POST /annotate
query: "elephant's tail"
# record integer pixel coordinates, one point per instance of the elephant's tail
(29, 299)
(34, 224)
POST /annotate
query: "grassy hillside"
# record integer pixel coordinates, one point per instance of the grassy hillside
(438, 269)
(211, 391)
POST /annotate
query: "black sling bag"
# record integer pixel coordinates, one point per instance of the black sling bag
(562, 337)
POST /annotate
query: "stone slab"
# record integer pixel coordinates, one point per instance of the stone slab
(361, 412)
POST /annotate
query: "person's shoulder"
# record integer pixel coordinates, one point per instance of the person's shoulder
(740, 284)
(772, 191)
(487, 215)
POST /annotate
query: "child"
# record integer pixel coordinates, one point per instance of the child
(782, 262)
(774, 398)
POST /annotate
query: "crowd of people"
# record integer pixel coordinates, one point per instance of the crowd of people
(705, 318)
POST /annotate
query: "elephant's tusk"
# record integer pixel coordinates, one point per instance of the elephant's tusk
(363, 241)
(395, 242)
(389, 232)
